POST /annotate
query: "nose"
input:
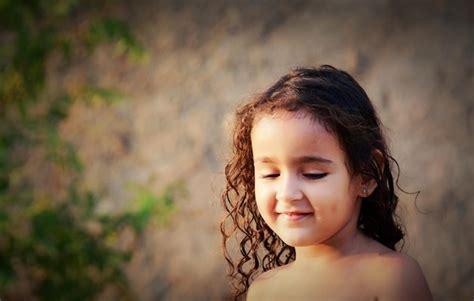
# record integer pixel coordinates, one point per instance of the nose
(289, 189)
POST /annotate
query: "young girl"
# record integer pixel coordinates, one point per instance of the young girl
(310, 195)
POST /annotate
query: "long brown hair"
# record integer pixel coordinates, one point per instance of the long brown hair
(335, 99)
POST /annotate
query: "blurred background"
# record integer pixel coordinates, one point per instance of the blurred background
(115, 120)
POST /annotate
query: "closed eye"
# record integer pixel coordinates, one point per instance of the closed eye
(270, 176)
(315, 176)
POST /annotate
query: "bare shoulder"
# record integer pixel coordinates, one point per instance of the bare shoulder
(399, 277)
(256, 289)
(259, 289)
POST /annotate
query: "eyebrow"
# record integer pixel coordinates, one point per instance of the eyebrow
(300, 160)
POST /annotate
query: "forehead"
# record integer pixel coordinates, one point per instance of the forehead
(289, 135)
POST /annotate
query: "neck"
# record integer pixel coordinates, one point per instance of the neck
(348, 241)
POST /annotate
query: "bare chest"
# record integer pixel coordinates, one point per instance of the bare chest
(320, 284)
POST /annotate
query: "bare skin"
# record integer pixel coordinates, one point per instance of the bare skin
(373, 272)
(307, 196)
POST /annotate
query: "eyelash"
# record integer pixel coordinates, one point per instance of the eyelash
(315, 176)
(270, 176)
(311, 176)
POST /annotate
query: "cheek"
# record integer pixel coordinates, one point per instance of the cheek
(332, 200)
(265, 199)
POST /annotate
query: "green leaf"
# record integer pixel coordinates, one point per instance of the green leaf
(61, 152)
(59, 109)
(96, 95)
(113, 30)
(147, 206)
(7, 274)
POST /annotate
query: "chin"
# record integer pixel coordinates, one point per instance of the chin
(298, 240)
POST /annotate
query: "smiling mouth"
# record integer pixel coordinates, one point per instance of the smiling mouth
(295, 216)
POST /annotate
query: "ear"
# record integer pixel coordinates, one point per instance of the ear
(368, 185)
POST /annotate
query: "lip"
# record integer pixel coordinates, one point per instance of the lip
(295, 216)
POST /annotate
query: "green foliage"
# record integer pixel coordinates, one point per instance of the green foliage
(147, 207)
(55, 240)
(95, 95)
(113, 30)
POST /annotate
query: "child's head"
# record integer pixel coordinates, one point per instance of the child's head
(328, 101)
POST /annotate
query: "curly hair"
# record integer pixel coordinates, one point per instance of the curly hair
(338, 102)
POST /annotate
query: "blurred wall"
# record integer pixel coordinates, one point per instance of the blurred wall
(414, 58)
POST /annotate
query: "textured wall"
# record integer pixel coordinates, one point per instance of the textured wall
(414, 59)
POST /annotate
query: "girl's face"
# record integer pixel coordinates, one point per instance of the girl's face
(303, 188)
